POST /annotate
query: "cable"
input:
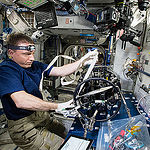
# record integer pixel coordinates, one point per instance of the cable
(137, 107)
(8, 7)
(116, 90)
(145, 73)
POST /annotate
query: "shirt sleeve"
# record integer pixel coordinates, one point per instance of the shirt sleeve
(43, 67)
(10, 81)
(46, 74)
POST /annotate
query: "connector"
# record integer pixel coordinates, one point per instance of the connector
(144, 87)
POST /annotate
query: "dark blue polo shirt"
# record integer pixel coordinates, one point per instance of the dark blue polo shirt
(14, 78)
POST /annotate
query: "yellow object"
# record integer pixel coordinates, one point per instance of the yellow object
(9, 57)
(133, 59)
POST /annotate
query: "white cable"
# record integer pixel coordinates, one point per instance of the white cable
(62, 79)
(89, 71)
(51, 64)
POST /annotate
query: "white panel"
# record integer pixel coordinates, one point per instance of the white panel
(17, 21)
(1, 24)
(120, 58)
(73, 22)
(145, 58)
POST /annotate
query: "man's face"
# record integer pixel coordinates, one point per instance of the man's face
(24, 58)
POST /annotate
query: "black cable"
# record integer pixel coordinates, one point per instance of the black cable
(146, 73)
(99, 79)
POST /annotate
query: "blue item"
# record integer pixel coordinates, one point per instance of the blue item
(86, 34)
(134, 144)
(14, 78)
(7, 30)
(91, 17)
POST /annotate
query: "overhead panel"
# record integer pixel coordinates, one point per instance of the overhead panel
(98, 3)
(32, 4)
(72, 25)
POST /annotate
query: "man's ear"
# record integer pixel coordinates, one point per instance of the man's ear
(10, 52)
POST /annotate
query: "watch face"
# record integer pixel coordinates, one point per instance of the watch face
(32, 4)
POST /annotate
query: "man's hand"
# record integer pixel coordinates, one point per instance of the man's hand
(88, 58)
(64, 106)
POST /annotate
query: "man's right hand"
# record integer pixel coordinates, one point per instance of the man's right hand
(88, 58)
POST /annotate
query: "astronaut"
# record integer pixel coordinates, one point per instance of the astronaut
(29, 122)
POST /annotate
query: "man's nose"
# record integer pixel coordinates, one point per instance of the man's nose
(32, 57)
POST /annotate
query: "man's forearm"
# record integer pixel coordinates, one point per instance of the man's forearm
(27, 101)
(65, 70)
